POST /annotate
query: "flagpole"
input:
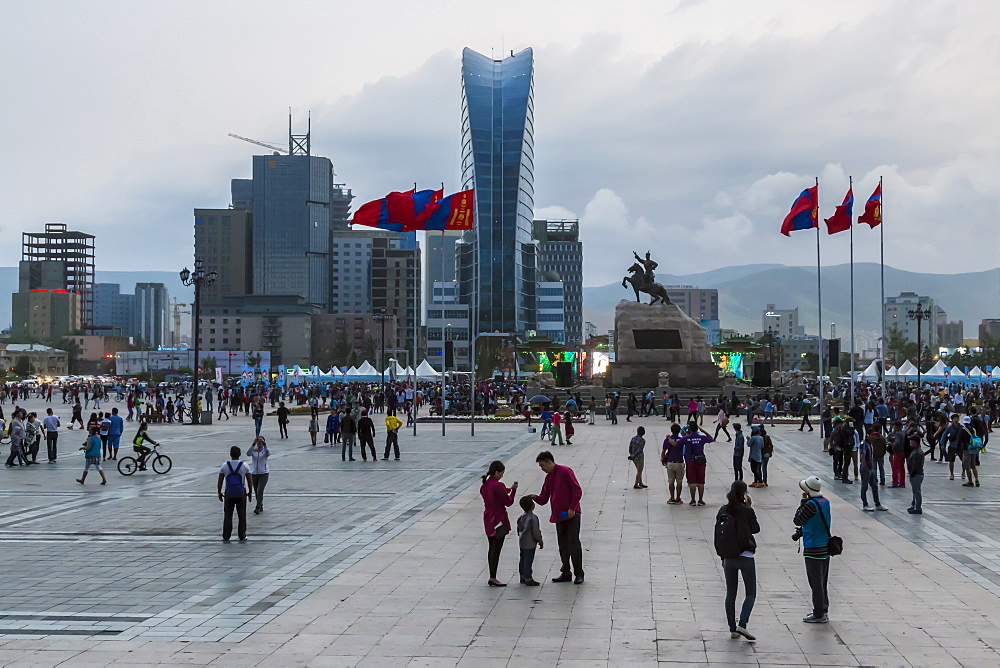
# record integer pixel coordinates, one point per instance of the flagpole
(853, 395)
(881, 234)
(819, 304)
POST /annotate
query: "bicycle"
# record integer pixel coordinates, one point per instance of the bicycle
(160, 463)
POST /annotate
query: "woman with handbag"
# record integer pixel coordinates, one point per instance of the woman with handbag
(722, 423)
(496, 499)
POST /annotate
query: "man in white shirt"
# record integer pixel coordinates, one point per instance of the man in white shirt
(234, 494)
(51, 424)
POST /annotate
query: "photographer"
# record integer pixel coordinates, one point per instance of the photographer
(813, 520)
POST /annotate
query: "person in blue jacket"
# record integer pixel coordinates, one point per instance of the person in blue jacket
(813, 519)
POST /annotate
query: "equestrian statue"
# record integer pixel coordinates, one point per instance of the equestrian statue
(642, 280)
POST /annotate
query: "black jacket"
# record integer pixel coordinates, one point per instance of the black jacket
(746, 518)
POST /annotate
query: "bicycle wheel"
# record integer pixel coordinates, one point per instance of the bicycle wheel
(162, 464)
(127, 465)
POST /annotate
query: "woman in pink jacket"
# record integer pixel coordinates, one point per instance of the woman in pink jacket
(496, 499)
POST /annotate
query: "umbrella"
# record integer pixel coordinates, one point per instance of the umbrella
(539, 399)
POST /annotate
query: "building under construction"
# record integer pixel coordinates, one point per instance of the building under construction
(74, 251)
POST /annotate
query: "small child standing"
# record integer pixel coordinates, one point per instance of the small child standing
(529, 534)
(738, 446)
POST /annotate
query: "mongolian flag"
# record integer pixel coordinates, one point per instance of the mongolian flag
(804, 214)
(873, 208)
(841, 219)
(397, 211)
(454, 212)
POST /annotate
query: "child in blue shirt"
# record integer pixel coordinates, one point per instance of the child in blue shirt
(92, 455)
(546, 417)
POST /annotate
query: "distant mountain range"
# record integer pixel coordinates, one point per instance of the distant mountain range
(744, 293)
(127, 279)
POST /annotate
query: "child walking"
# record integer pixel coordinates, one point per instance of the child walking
(529, 534)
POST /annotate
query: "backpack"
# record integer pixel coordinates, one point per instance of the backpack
(728, 544)
(234, 482)
(976, 444)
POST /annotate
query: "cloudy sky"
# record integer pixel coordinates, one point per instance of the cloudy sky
(685, 127)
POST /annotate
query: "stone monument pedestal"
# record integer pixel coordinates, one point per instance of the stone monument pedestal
(654, 338)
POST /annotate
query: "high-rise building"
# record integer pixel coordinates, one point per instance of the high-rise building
(43, 307)
(897, 317)
(560, 251)
(552, 307)
(351, 268)
(74, 251)
(395, 286)
(782, 322)
(152, 314)
(440, 265)
(222, 239)
(698, 303)
(337, 338)
(496, 260)
(113, 311)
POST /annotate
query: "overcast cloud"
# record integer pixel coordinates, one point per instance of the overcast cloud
(686, 128)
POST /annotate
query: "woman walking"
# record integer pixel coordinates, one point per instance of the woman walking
(635, 455)
(738, 557)
(258, 468)
(722, 423)
(92, 456)
(496, 499)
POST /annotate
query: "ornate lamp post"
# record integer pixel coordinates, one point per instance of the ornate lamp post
(919, 315)
(382, 315)
(197, 278)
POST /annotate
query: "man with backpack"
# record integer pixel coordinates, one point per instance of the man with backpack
(234, 494)
(969, 446)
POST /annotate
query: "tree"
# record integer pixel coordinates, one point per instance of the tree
(810, 362)
(488, 356)
(341, 350)
(22, 367)
(370, 351)
(254, 359)
(208, 366)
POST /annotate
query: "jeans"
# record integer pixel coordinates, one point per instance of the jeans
(347, 445)
(738, 467)
(869, 478)
(732, 569)
(238, 504)
(818, 572)
(259, 483)
(838, 462)
(257, 422)
(16, 455)
(805, 423)
(915, 482)
(524, 565)
(880, 464)
(570, 549)
(282, 430)
(391, 439)
(763, 469)
(755, 468)
(51, 440)
(493, 553)
(367, 441)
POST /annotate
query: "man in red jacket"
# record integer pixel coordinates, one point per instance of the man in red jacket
(562, 487)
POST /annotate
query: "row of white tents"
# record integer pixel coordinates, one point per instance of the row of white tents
(364, 373)
(938, 372)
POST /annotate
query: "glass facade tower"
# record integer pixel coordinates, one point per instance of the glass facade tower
(291, 226)
(496, 260)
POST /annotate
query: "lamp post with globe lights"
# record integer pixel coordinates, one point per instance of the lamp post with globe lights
(919, 314)
(197, 278)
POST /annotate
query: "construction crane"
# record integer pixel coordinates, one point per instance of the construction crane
(177, 321)
(277, 149)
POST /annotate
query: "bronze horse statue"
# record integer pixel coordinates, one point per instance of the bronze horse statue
(641, 284)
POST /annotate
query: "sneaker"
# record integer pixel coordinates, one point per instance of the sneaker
(867, 508)
(813, 619)
(746, 634)
(848, 481)
(968, 484)
(914, 511)
(734, 635)
(881, 507)
(531, 583)
(977, 483)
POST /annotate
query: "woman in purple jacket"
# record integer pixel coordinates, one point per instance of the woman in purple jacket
(496, 499)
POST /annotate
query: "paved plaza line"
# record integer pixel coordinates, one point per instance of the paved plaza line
(653, 592)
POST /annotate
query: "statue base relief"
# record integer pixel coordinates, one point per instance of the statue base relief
(655, 338)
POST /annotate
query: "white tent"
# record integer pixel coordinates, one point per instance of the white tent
(426, 372)
(975, 373)
(936, 372)
(871, 372)
(400, 371)
(892, 373)
(367, 369)
(908, 369)
(352, 373)
(409, 371)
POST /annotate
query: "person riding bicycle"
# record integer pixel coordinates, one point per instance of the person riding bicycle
(141, 437)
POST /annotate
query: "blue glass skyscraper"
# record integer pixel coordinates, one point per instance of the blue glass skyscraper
(496, 260)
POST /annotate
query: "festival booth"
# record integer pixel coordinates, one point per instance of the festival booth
(976, 375)
(367, 373)
(908, 371)
(892, 374)
(871, 373)
(395, 368)
(936, 372)
(426, 372)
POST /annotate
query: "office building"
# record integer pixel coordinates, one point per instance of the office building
(340, 207)
(222, 239)
(560, 251)
(698, 303)
(449, 322)
(113, 311)
(73, 253)
(344, 339)
(395, 288)
(152, 314)
(496, 260)
(989, 333)
(551, 316)
(897, 317)
(782, 322)
(351, 270)
(278, 325)
(43, 313)
(440, 265)
(44, 361)
(97, 352)
(798, 350)
(950, 334)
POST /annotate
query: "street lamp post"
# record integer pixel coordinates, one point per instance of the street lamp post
(919, 314)
(197, 278)
(382, 316)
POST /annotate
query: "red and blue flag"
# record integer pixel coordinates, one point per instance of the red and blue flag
(804, 214)
(841, 219)
(454, 212)
(397, 211)
(873, 208)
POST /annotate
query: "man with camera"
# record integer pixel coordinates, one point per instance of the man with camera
(813, 521)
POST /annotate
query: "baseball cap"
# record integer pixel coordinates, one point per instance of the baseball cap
(966, 420)
(811, 486)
